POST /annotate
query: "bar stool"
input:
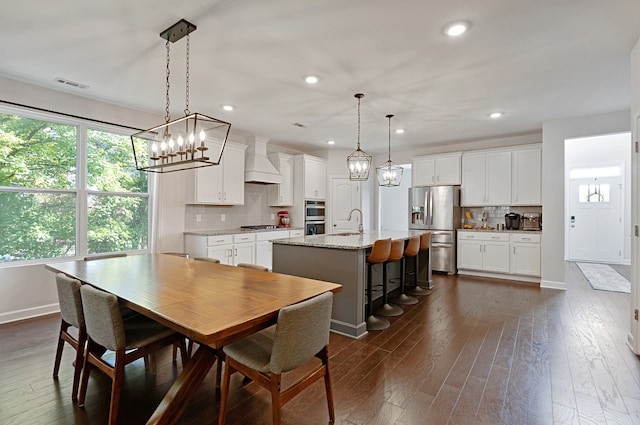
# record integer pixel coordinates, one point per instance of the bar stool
(379, 254)
(425, 246)
(411, 250)
(386, 309)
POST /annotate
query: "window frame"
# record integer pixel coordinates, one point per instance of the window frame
(81, 190)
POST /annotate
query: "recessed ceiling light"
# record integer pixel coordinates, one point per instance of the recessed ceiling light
(228, 107)
(311, 79)
(400, 131)
(331, 142)
(456, 29)
(496, 115)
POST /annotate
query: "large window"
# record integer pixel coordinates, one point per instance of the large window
(68, 189)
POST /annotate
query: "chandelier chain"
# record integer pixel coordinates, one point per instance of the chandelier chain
(186, 108)
(167, 116)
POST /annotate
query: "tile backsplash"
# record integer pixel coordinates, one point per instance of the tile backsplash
(254, 211)
(495, 215)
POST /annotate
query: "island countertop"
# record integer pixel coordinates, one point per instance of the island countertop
(347, 240)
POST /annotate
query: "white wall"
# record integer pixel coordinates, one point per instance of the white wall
(598, 151)
(554, 133)
(634, 328)
(29, 290)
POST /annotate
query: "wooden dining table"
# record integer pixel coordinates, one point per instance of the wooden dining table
(212, 304)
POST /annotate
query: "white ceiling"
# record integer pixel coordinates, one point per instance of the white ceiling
(536, 60)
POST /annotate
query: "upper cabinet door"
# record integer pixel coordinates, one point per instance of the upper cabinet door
(233, 175)
(281, 195)
(526, 176)
(498, 178)
(315, 179)
(423, 171)
(473, 191)
(448, 170)
(436, 170)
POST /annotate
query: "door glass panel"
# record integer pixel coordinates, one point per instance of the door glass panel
(594, 193)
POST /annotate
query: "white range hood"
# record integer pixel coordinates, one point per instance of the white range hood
(257, 167)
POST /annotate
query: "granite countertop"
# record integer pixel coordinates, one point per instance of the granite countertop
(493, 230)
(346, 240)
(236, 231)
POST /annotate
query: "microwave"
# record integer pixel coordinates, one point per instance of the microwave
(314, 211)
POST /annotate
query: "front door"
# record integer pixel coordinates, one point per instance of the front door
(345, 196)
(595, 219)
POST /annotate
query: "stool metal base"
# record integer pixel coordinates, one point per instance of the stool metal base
(377, 323)
(388, 310)
(419, 291)
(404, 299)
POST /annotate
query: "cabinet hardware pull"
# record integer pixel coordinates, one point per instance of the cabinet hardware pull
(514, 249)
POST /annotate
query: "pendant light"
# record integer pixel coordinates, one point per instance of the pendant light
(389, 174)
(359, 162)
(193, 141)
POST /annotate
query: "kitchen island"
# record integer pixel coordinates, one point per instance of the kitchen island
(340, 258)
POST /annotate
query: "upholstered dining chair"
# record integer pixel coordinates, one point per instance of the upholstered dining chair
(253, 266)
(302, 332)
(209, 259)
(130, 339)
(72, 316)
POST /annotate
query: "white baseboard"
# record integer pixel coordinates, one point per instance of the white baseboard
(28, 313)
(550, 284)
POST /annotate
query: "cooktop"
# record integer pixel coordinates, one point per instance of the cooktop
(259, 226)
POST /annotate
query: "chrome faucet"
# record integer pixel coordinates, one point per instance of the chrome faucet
(360, 228)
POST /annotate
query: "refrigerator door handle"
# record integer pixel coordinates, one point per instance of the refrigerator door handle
(431, 207)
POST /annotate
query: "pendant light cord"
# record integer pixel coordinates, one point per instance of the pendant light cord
(389, 116)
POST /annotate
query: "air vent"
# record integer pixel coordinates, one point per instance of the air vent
(71, 83)
(297, 124)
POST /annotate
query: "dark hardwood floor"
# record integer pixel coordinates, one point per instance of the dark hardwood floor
(476, 351)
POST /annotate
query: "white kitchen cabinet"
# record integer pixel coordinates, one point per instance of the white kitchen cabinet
(526, 176)
(525, 254)
(244, 248)
(220, 184)
(264, 246)
(480, 251)
(281, 195)
(486, 178)
(314, 176)
(436, 170)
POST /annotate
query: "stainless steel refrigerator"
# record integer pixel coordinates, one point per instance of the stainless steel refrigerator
(437, 208)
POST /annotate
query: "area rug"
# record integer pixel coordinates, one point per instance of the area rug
(604, 278)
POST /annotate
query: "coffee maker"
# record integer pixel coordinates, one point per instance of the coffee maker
(512, 221)
(284, 219)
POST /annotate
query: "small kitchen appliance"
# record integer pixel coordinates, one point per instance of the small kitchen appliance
(284, 219)
(512, 221)
(531, 221)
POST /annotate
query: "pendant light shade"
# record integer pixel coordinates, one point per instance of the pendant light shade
(389, 174)
(193, 141)
(359, 162)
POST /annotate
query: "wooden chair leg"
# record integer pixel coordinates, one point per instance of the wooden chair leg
(86, 370)
(222, 416)
(324, 356)
(116, 386)
(56, 365)
(82, 341)
(275, 397)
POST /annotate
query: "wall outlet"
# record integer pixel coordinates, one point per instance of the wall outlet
(273, 217)
(198, 218)
(223, 217)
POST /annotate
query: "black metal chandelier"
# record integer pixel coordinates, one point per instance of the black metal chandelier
(389, 173)
(193, 141)
(359, 162)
